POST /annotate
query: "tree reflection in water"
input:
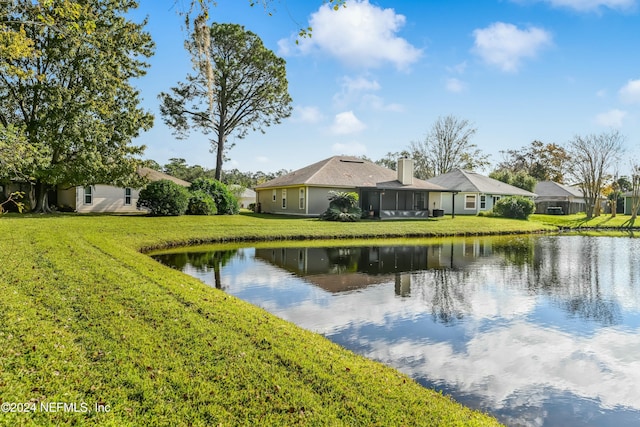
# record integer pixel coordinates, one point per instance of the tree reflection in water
(538, 330)
(442, 273)
(200, 261)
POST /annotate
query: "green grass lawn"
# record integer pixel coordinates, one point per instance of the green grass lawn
(87, 319)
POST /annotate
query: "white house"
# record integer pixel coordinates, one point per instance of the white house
(108, 198)
(246, 196)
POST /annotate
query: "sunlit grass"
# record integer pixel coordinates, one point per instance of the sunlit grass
(86, 318)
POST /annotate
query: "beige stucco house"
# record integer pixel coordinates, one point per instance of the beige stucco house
(108, 198)
(383, 193)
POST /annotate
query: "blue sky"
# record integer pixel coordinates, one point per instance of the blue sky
(376, 75)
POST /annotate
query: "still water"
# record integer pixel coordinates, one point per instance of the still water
(537, 331)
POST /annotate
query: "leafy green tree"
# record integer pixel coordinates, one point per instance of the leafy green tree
(72, 97)
(151, 164)
(518, 179)
(226, 203)
(390, 160)
(446, 147)
(164, 198)
(544, 162)
(17, 158)
(243, 87)
(179, 168)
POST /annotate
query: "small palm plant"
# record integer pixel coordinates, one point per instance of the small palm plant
(343, 206)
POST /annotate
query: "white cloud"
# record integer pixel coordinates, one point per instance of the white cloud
(349, 149)
(377, 103)
(602, 93)
(351, 90)
(612, 118)
(589, 5)
(305, 114)
(359, 84)
(505, 45)
(358, 91)
(630, 93)
(458, 68)
(455, 85)
(347, 123)
(360, 35)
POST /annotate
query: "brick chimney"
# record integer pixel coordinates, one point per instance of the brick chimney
(405, 171)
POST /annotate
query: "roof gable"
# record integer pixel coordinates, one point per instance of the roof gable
(472, 182)
(154, 175)
(555, 189)
(347, 172)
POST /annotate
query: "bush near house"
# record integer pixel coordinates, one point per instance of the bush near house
(343, 206)
(226, 202)
(164, 198)
(201, 203)
(517, 207)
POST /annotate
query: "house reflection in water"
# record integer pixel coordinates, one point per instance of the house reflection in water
(340, 269)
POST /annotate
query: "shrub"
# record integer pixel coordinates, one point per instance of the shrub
(226, 202)
(164, 198)
(514, 207)
(201, 203)
(343, 206)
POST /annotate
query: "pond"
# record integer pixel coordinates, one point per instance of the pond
(535, 330)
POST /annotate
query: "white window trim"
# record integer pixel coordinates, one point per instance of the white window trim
(483, 201)
(284, 198)
(302, 199)
(130, 196)
(85, 194)
(475, 202)
(274, 196)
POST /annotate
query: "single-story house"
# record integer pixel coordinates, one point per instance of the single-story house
(550, 194)
(108, 198)
(246, 196)
(383, 193)
(473, 192)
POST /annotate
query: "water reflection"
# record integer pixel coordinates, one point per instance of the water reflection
(535, 330)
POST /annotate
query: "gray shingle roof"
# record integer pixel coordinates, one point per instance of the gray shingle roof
(346, 172)
(472, 182)
(554, 189)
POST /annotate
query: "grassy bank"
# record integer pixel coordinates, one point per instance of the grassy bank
(87, 319)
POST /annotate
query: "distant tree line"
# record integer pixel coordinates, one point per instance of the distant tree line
(179, 168)
(587, 161)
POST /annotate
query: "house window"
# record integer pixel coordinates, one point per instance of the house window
(470, 201)
(495, 200)
(127, 196)
(274, 194)
(301, 204)
(483, 202)
(88, 195)
(284, 198)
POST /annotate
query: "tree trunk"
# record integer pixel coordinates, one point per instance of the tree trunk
(220, 152)
(42, 198)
